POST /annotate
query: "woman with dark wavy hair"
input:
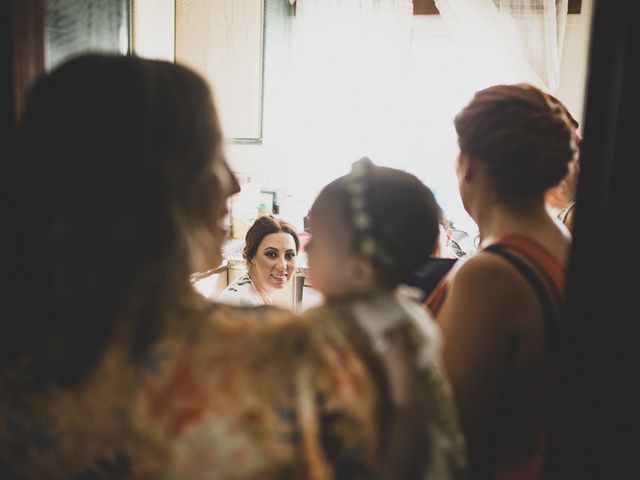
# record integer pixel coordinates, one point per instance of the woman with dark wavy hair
(500, 310)
(112, 366)
(121, 186)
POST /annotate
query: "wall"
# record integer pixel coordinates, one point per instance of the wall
(153, 29)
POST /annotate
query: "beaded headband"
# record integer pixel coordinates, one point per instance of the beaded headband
(361, 218)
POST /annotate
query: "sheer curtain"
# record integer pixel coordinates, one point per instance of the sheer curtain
(346, 78)
(510, 40)
(341, 88)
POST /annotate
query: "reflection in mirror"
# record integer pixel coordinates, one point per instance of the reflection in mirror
(76, 26)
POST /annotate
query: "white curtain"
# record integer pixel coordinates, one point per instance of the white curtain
(346, 78)
(510, 40)
(344, 91)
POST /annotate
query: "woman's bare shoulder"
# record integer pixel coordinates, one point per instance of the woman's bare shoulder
(487, 272)
(485, 287)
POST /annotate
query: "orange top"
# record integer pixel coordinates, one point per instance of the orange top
(539, 255)
(521, 431)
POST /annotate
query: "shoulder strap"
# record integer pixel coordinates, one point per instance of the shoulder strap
(547, 296)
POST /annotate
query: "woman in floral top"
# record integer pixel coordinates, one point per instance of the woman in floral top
(119, 369)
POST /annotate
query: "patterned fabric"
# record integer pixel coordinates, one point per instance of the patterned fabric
(241, 293)
(228, 393)
(386, 330)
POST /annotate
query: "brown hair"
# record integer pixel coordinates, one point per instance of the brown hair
(263, 226)
(560, 195)
(572, 120)
(524, 136)
(116, 155)
(404, 218)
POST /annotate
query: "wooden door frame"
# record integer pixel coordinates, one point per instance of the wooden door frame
(22, 43)
(428, 7)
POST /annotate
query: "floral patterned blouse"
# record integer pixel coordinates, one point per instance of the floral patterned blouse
(229, 393)
(242, 293)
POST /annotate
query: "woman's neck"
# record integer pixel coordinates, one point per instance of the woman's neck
(535, 223)
(498, 220)
(263, 292)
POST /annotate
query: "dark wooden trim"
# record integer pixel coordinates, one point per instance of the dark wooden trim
(428, 7)
(575, 6)
(425, 7)
(27, 47)
(22, 37)
(7, 113)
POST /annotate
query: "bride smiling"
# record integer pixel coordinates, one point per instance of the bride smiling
(270, 250)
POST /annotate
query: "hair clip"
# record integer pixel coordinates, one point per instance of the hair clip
(361, 218)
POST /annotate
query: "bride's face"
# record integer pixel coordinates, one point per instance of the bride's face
(274, 262)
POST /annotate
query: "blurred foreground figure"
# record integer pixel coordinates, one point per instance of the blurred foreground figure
(366, 241)
(112, 366)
